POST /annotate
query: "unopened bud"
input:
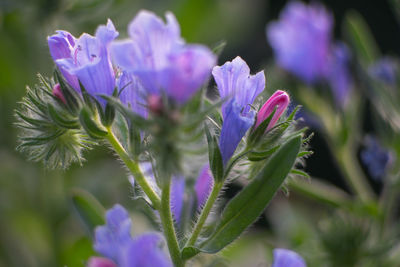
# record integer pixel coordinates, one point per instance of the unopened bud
(280, 100)
(155, 104)
(58, 93)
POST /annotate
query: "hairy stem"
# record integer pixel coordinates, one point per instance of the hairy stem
(168, 226)
(204, 213)
(133, 167)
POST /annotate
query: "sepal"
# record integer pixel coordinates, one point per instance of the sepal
(91, 125)
(49, 130)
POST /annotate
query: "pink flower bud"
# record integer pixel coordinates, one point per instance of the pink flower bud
(58, 93)
(100, 262)
(280, 100)
(155, 103)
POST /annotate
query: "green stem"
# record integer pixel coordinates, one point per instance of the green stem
(133, 166)
(322, 192)
(204, 213)
(353, 173)
(168, 226)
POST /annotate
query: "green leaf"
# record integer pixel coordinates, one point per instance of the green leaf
(89, 208)
(90, 126)
(249, 203)
(361, 38)
(214, 156)
(57, 118)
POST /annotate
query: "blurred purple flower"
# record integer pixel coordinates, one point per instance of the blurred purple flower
(114, 242)
(384, 70)
(375, 157)
(239, 88)
(279, 100)
(111, 238)
(301, 40)
(203, 185)
(161, 60)
(177, 197)
(287, 258)
(339, 76)
(86, 59)
(302, 43)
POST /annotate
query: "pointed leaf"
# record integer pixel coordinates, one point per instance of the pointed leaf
(214, 156)
(90, 126)
(248, 204)
(89, 208)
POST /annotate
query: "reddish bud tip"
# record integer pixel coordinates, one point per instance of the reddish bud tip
(155, 104)
(280, 100)
(100, 262)
(58, 93)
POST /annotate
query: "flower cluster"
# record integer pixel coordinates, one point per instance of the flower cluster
(140, 95)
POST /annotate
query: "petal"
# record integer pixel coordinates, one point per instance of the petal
(61, 48)
(234, 80)
(287, 258)
(125, 55)
(177, 196)
(112, 237)
(188, 69)
(132, 93)
(301, 40)
(145, 251)
(153, 38)
(106, 33)
(279, 100)
(234, 128)
(339, 75)
(203, 185)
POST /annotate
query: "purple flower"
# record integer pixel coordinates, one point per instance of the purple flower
(280, 100)
(86, 59)
(203, 185)
(375, 157)
(202, 188)
(111, 238)
(177, 197)
(161, 60)
(240, 89)
(114, 242)
(301, 40)
(339, 77)
(132, 93)
(384, 70)
(287, 258)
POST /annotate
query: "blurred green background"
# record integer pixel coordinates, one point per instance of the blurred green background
(38, 225)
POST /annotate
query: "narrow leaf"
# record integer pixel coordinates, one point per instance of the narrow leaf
(248, 204)
(214, 156)
(89, 209)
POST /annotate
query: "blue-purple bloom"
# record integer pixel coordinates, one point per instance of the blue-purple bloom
(301, 40)
(339, 76)
(158, 56)
(202, 188)
(287, 258)
(302, 43)
(132, 93)
(203, 185)
(239, 88)
(115, 242)
(384, 70)
(86, 59)
(375, 157)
